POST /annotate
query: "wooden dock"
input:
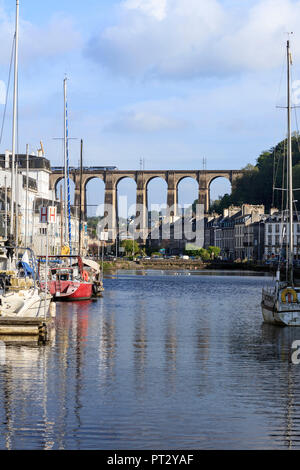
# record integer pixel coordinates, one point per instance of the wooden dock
(38, 328)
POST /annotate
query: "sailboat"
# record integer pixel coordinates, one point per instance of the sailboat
(20, 294)
(69, 279)
(281, 303)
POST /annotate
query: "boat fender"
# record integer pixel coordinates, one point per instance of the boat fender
(290, 293)
(85, 276)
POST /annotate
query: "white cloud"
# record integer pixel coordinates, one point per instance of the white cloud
(53, 39)
(2, 92)
(58, 37)
(155, 8)
(183, 39)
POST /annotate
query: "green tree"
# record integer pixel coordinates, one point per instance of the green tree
(214, 251)
(204, 254)
(256, 184)
(220, 204)
(130, 246)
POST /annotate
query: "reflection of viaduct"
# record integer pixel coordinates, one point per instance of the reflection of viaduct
(142, 178)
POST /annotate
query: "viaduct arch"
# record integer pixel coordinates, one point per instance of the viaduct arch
(111, 178)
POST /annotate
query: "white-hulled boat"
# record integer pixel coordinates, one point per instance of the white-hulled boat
(20, 294)
(281, 303)
(29, 303)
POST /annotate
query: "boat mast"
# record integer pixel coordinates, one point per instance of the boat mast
(80, 198)
(14, 122)
(68, 238)
(289, 169)
(65, 162)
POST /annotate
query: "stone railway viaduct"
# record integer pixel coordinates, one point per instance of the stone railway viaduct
(142, 178)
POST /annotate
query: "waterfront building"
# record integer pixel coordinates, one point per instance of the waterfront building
(239, 232)
(248, 232)
(210, 224)
(39, 195)
(219, 232)
(275, 235)
(169, 236)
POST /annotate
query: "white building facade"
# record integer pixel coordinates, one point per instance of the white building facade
(29, 200)
(276, 233)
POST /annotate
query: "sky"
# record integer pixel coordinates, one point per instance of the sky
(169, 81)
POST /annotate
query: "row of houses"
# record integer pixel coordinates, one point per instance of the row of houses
(248, 233)
(241, 233)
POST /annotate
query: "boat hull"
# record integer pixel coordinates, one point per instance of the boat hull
(39, 308)
(280, 317)
(70, 290)
(31, 304)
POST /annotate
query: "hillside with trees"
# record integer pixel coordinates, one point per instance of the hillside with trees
(256, 185)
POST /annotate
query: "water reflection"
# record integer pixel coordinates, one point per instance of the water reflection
(107, 346)
(140, 345)
(22, 366)
(171, 346)
(160, 362)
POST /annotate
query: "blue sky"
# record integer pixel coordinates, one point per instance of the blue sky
(170, 81)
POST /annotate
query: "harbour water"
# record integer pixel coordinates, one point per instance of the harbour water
(164, 360)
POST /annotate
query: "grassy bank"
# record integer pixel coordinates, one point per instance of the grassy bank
(175, 264)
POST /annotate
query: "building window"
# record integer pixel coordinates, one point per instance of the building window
(277, 228)
(269, 240)
(270, 228)
(276, 240)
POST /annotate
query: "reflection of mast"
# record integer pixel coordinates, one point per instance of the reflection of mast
(8, 399)
(107, 348)
(63, 348)
(81, 334)
(171, 346)
(49, 425)
(289, 409)
(140, 344)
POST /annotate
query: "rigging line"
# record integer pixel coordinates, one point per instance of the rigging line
(297, 132)
(298, 145)
(275, 174)
(7, 89)
(296, 119)
(281, 77)
(297, 214)
(283, 171)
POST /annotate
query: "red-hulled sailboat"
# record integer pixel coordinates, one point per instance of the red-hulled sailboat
(70, 276)
(68, 280)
